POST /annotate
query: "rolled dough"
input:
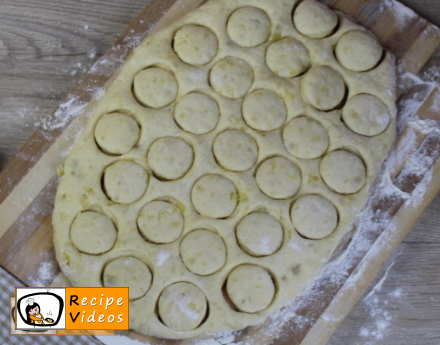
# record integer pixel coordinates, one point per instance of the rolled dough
(225, 163)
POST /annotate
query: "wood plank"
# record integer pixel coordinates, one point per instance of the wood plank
(43, 138)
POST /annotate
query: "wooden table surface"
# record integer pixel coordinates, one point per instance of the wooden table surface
(47, 45)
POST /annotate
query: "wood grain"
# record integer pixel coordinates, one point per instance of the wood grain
(46, 46)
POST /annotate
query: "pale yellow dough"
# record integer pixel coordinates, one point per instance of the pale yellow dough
(250, 288)
(314, 217)
(314, 19)
(259, 234)
(278, 178)
(235, 150)
(117, 133)
(203, 252)
(225, 163)
(170, 158)
(182, 306)
(288, 58)
(366, 115)
(264, 110)
(128, 272)
(305, 138)
(195, 38)
(93, 233)
(197, 113)
(232, 77)
(249, 27)
(160, 222)
(359, 51)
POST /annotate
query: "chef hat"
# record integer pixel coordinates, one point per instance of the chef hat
(30, 301)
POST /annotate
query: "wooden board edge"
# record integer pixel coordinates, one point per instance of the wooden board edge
(367, 270)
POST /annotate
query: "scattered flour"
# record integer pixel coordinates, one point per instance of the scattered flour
(162, 256)
(43, 275)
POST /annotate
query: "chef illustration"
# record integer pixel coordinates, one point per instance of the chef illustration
(33, 312)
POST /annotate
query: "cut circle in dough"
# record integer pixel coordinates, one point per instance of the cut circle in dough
(182, 306)
(128, 272)
(195, 45)
(249, 27)
(278, 178)
(125, 182)
(93, 233)
(232, 77)
(323, 88)
(259, 234)
(314, 217)
(264, 110)
(235, 150)
(214, 196)
(203, 252)
(315, 20)
(170, 158)
(343, 172)
(305, 138)
(288, 58)
(160, 222)
(155, 87)
(358, 51)
(197, 113)
(366, 115)
(117, 133)
(250, 288)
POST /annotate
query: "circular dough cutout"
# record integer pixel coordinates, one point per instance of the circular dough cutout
(160, 222)
(155, 87)
(214, 196)
(288, 58)
(235, 150)
(203, 252)
(343, 172)
(358, 51)
(197, 113)
(315, 20)
(182, 307)
(170, 158)
(232, 77)
(278, 178)
(250, 288)
(260, 234)
(117, 133)
(366, 115)
(125, 182)
(314, 217)
(249, 27)
(264, 110)
(93, 233)
(323, 88)
(305, 138)
(128, 272)
(195, 45)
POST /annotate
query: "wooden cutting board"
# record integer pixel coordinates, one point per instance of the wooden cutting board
(28, 183)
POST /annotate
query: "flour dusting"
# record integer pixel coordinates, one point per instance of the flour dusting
(402, 14)
(43, 274)
(162, 256)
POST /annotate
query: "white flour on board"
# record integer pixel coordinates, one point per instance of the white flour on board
(368, 220)
(400, 12)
